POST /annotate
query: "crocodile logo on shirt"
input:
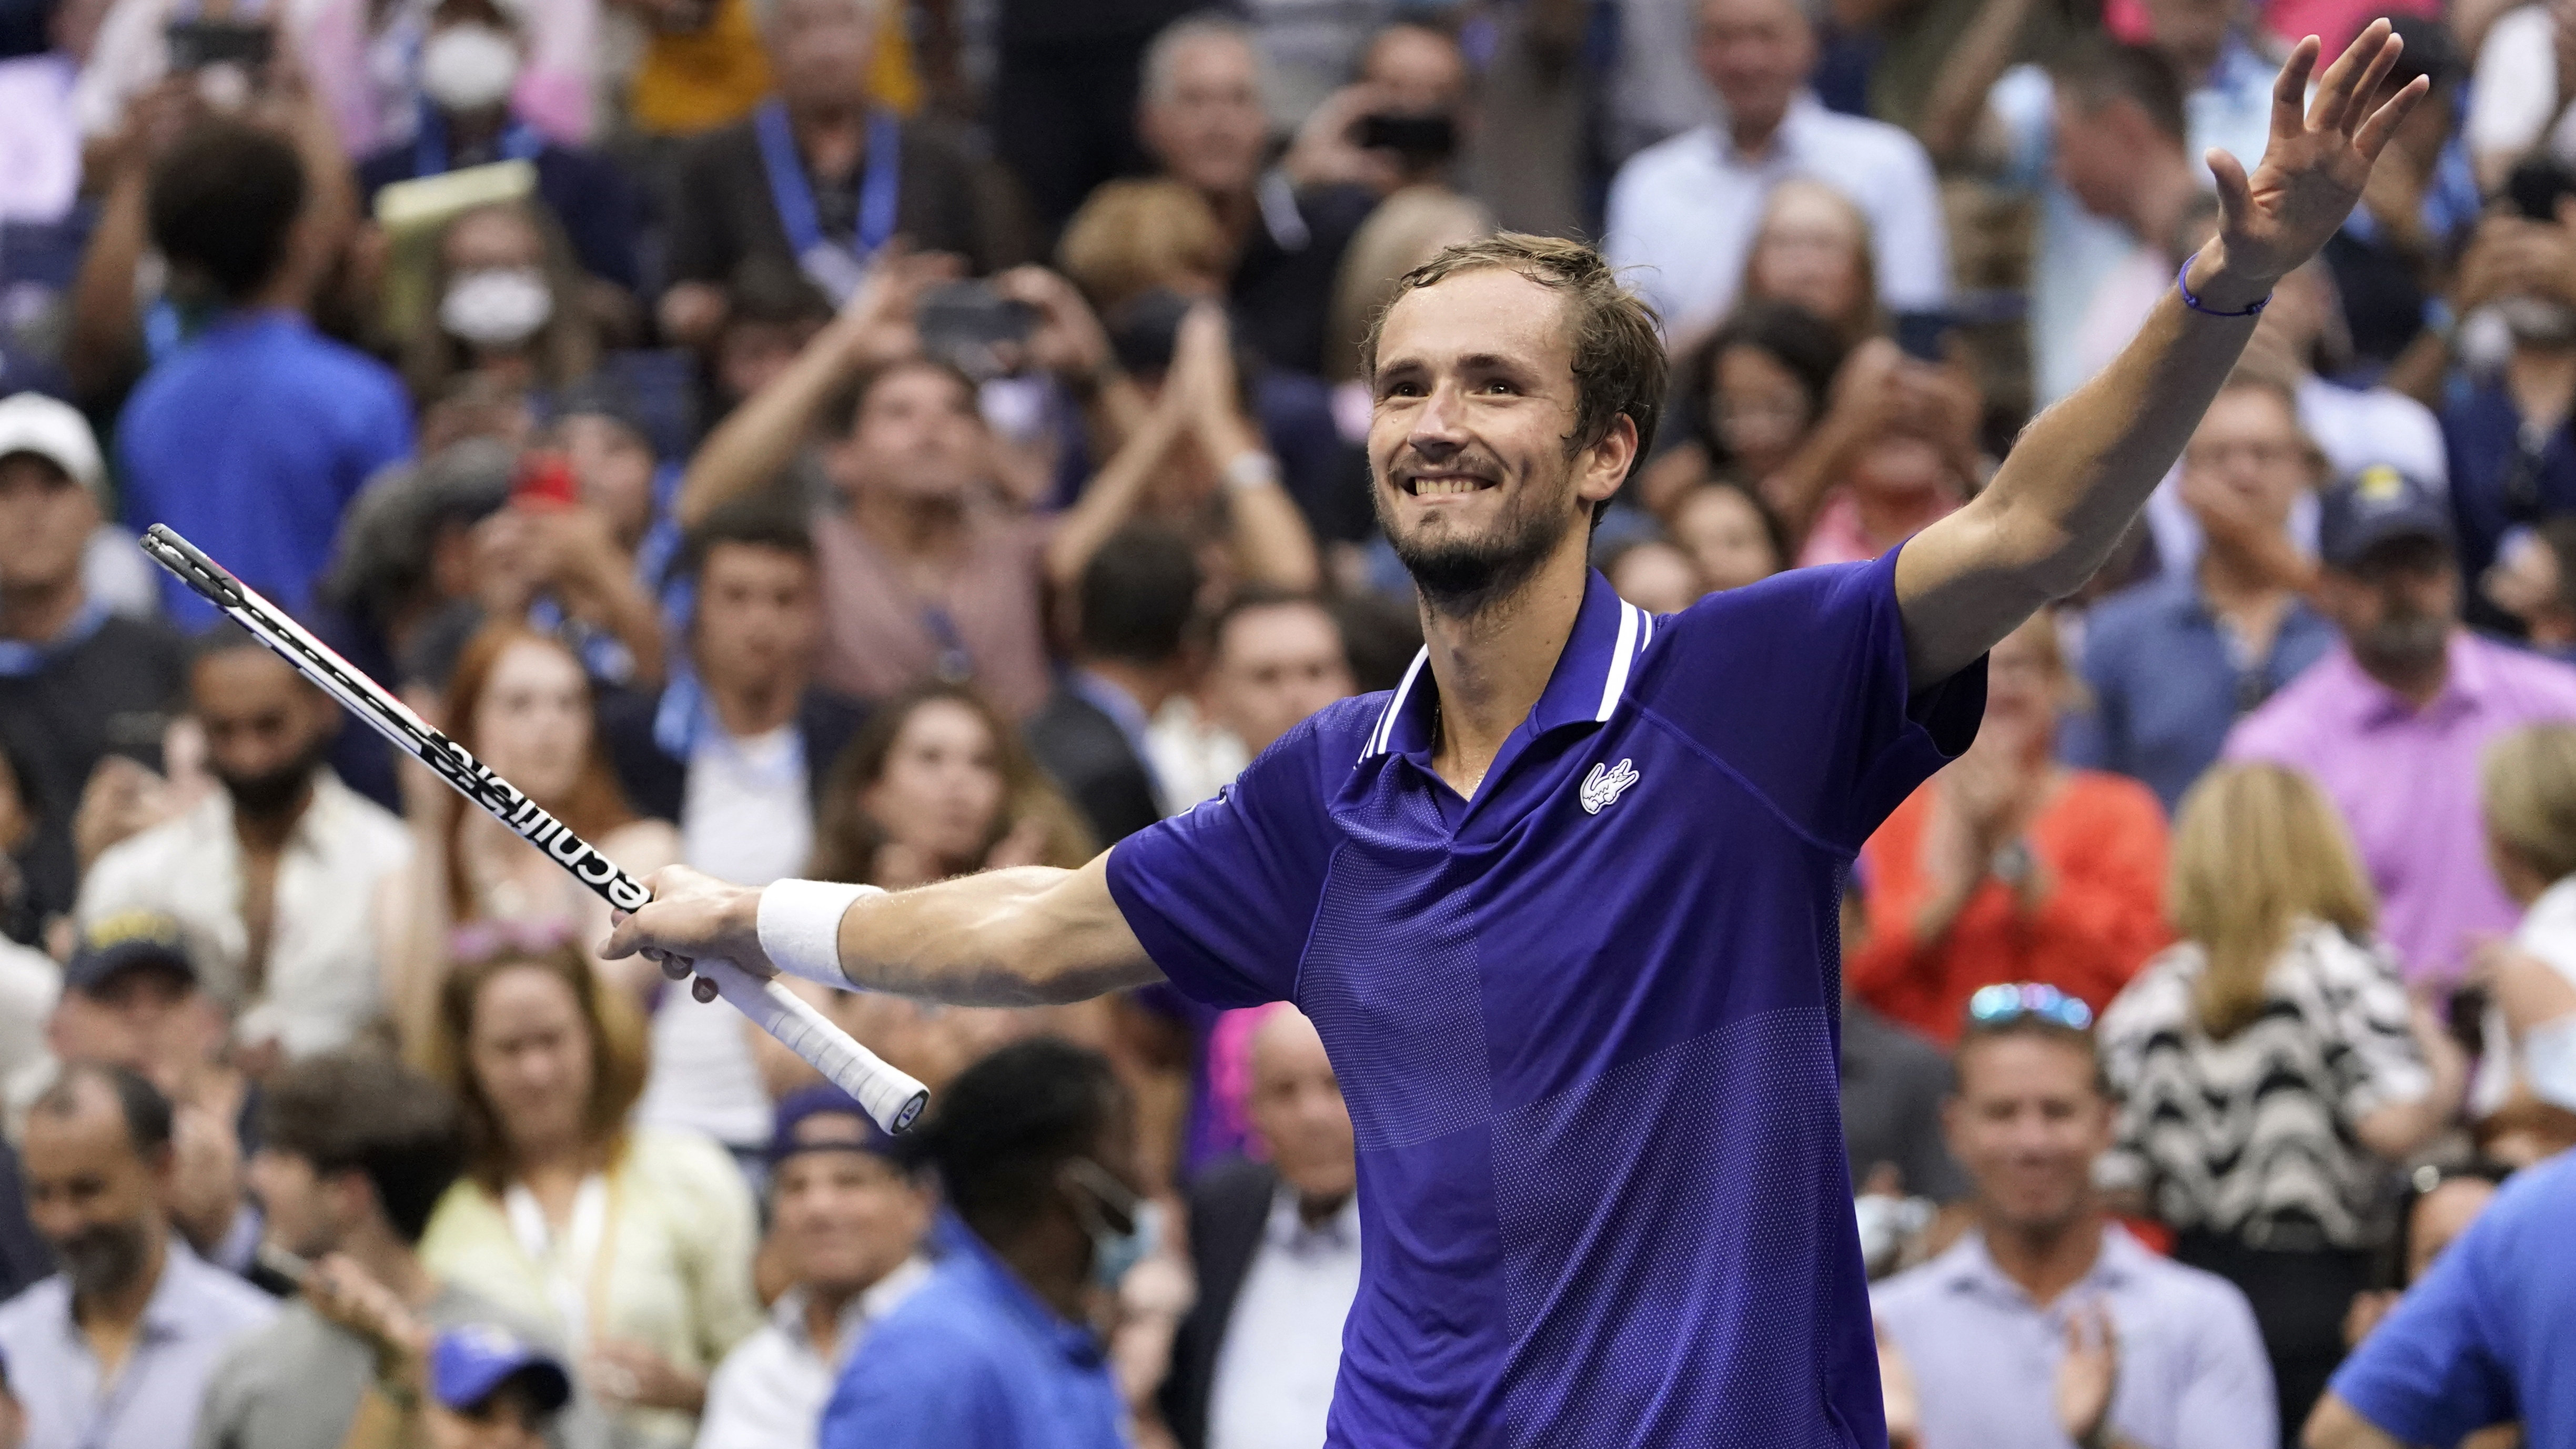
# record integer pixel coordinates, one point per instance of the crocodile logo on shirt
(1603, 787)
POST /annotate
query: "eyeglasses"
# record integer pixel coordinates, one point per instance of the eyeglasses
(2012, 1000)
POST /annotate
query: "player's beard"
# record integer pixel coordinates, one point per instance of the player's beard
(1461, 576)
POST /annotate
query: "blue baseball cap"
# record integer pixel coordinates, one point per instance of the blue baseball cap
(2373, 506)
(467, 1364)
(128, 941)
(812, 1120)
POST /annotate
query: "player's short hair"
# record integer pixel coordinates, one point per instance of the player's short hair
(2096, 72)
(1619, 363)
(1008, 1123)
(363, 1111)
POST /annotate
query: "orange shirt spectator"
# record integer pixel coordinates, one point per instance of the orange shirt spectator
(2009, 866)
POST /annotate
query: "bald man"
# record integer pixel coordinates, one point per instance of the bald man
(1276, 1246)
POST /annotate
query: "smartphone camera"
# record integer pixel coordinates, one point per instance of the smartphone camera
(969, 324)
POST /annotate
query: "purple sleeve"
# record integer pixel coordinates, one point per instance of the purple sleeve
(1223, 894)
(1798, 685)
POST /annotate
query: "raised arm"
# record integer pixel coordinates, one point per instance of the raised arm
(2083, 470)
(1027, 936)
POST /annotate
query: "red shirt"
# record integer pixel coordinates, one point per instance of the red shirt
(2101, 841)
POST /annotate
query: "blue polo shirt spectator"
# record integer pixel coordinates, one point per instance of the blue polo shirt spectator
(2169, 680)
(251, 441)
(253, 437)
(1627, 933)
(972, 1357)
(2485, 1338)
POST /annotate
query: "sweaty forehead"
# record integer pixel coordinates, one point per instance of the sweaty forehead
(1491, 312)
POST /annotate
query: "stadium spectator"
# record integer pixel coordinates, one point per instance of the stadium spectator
(1409, 85)
(820, 178)
(355, 1152)
(632, 1246)
(1688, 210)
(847, 1231)
(1275, 1245)
(2533, 582)
(130, 1000)
(924, 575)
(274, 876)
(2435, 1208)
(936, 784)
(114, 1350)
(2526, 791)
(407, 557)
(1200, 117)
(2108, 1343)
(471, 55)
(1131, 618)
(2511, 438)
(2391, 721)
(1746, 400)
(1273, 659)
(2483, 1339)
(252, 437)
(737, 755)
(1912, 461)
(1063, 100)
(1035, 1149)
(518, 702)
(479, 1387)
(1654, 573)
(1812, 251)
(1728, 534)
(2270, 1067)
(2174, 662)
(2009, 866)
(506, 305)
(85, 695)
(24, 1254)
(1138, 235)
(2423, 201)
(1893, 1083)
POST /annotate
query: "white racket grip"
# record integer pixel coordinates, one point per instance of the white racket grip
(889, 1096)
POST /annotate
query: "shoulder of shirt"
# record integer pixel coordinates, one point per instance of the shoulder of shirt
(36, 1305)
(2101, 793)
(945, 1326)
(123, 632)
(2522, 669)
(235, 1302)
(1888, 141)
(1919, 1287)
(2279, 727)
(2140, 606)
(2159, 995)
(2207, 1304)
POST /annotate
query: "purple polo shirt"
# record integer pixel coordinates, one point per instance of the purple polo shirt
(1586, 1021)
(2406, 781)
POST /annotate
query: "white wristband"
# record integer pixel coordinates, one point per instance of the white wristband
(800, 927)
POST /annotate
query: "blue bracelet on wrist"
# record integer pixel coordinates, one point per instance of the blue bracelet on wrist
(2182, 283)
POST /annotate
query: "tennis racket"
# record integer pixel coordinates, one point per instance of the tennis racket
(889, 1096)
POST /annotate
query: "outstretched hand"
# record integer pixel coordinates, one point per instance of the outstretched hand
(692, 916)
(2317, 162)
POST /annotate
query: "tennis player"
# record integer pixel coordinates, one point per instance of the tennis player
(1564, 904)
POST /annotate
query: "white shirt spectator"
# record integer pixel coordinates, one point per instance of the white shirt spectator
(1283, 1344)
(1686, 211)
(746, 815)
(320, 985)
(2547, 933)
(2514, 102)
(2355, 428)
(770, 1391)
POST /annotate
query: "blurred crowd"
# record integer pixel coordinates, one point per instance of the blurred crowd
(881, 440)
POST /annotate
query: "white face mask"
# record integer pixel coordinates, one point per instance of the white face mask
(468, 67)
(498, 307)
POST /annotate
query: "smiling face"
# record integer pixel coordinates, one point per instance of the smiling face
(942, 785)
(1474, 469)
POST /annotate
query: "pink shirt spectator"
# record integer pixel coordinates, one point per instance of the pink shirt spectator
(2406, 781)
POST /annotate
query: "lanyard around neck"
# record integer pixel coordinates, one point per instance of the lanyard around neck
(831, 265)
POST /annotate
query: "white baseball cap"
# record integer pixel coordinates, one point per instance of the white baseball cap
(53, 430)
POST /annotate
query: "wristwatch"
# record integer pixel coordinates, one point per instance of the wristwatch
(2013, 864)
